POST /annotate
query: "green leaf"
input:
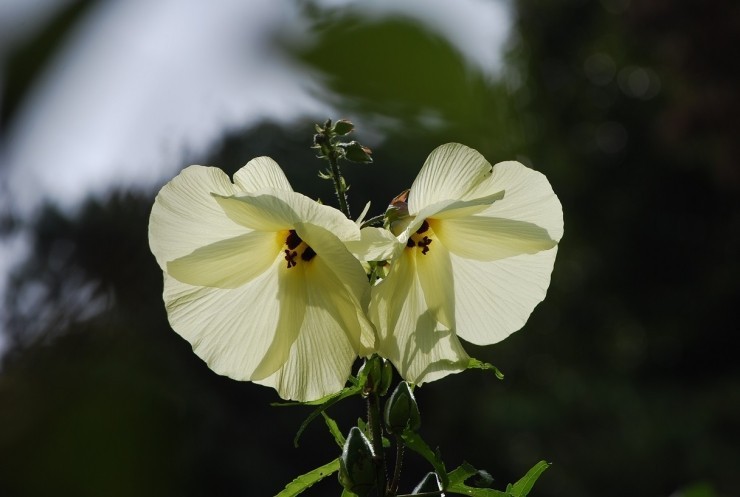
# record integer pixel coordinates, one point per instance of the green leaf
(476, 364)
(306, 480)
(323, 400)
(525, 484)
(457, 484)
(324, 403)
(462, 473)
(347, 493)
(519, 489)
(334, 429)
(413, 441)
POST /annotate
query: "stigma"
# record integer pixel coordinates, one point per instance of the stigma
(422, 238)
(296, 250)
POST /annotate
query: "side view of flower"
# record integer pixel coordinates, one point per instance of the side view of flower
(257, 278)
(471, 253)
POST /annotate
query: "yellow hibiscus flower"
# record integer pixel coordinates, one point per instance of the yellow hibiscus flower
(470, 259)
(257, 278)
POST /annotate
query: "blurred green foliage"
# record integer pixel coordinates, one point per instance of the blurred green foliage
(625, 377)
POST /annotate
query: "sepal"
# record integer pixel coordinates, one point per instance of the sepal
(357, 464)
(401, 411)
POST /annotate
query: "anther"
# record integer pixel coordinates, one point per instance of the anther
(308, 254)
(293, 240)
(423, 228)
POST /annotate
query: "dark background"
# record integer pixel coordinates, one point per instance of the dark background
(625, 378)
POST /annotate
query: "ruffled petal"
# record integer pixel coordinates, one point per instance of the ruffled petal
(452, 171)
(495, 299)
(185, 216)
(410, 336)
(228, 263)
(491, 238)
(261, 173)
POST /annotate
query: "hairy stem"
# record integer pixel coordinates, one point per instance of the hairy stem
(397, 470)
(373, 419)
(339, 185)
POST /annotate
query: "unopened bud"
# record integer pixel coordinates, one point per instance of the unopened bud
(357, 464)
(377, 374)
(355, 152)
(343, 127)
(401, 411)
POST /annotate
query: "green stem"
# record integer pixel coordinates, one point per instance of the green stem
(397, 470)
(339, 185)
(373, 220)
(423, 494)
(373, 419)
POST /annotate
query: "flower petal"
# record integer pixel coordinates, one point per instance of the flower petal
(263, 211)
(344, 283)
(435, 277)
(274, 210)
(375, 244)
(293, 301)
(185, 216)
(491, 238)
(494, 299)
(321, 358)
(228, 263)
(261, 173)
(528, 197)
(410, 336)
(452, 171)
(230, 329)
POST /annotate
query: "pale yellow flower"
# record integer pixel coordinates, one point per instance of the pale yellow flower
(258, 280)
(471, 259)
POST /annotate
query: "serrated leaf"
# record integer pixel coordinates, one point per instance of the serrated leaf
(525, 484)
(477, 364)
(334, 429)
(305, 481)
(413, 441)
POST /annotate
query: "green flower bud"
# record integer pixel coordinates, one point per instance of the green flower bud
(355, 152)
(430, 483)
(357, 464)
(397, 216)
(401, 410)
(343, 127)
(377, 374)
